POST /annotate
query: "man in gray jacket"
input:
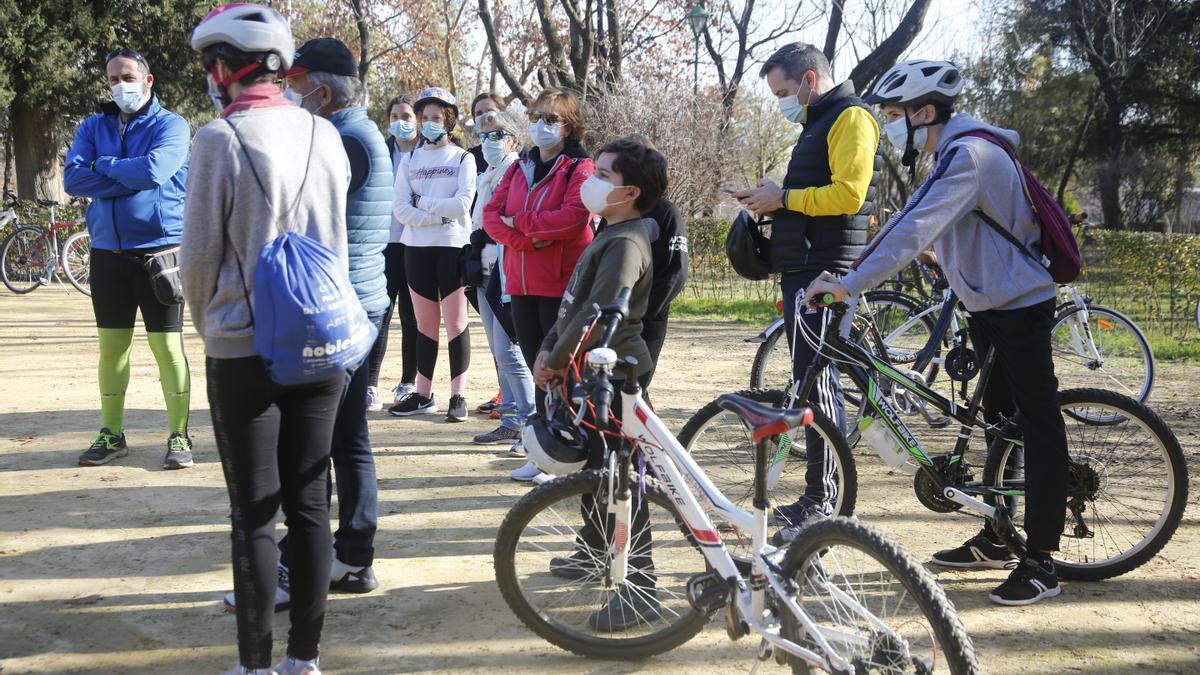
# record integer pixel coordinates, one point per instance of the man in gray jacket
(1010, 297)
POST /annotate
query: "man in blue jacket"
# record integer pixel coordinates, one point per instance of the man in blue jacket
(131, 160)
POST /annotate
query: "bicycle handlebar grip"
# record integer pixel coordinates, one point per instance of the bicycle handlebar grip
(602, 399)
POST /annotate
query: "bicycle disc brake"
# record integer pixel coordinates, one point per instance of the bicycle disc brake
(962, 364)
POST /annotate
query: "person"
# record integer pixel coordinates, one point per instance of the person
(629, 179)
(538, 216)
(402, 140)
(482, 104)
(1010, 297)
(264, 167)
(501, 134)
(433, 192)
(820, 224)
(131, 159)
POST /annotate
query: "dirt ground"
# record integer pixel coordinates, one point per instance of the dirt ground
(121, 568)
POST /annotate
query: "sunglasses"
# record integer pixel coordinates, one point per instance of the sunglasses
(497, 135)
(550, 118)
(127, 53)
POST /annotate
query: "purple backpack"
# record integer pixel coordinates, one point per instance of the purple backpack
(1059, 252)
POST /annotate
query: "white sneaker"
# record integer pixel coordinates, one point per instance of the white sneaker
(374, 403)
(517, 450)
(543, 478)
(294, 666)
(283, 597)
(401, 391)
(243, 670)
(526, 473)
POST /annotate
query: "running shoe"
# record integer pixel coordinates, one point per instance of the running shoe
(402, 391)
(414, 404)
(500, 434)
(293, 666)
(796, 517)
(517, 449)
(978, 552)
(581, 564)
(374, 403)
(629, 606)
(350, 579)
(243, 670)
(487, 407)
(526, 473)
(1030, 582)
(457, 412)
(179, 451)
(107, 447)
(283, 595)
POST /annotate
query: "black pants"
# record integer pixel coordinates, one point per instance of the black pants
(1022, 383)
(533, 317)
(439, 296)
(274, 445)
(399, 301)
(654, 333)
(121, 286)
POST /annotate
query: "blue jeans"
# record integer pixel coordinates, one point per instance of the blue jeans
(516, 382)
(354, 468)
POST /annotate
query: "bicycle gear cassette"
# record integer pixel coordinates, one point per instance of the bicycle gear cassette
(962, 364)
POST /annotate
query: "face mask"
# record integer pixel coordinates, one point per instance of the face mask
(543, 135)
(432, 131)
(129, 96)
(291, 95)
(594, 193)
(897, 134)
(494, 152)
(793, 110)
(402, 130)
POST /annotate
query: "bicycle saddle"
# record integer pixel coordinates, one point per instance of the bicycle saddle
(762, 419)
(47, 202)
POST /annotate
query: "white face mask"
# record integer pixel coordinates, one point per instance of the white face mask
(291, 95)
(402, 130)
(595, 191)
(494, 152)
(897, 134)
(543, 135)
(129, 96)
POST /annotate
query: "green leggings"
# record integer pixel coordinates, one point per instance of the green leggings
(115, 346)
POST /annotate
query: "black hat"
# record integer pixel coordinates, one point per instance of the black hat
(324, 55)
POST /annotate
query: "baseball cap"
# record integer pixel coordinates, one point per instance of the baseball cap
(324, 55)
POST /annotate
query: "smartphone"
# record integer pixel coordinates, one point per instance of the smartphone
(729, 191)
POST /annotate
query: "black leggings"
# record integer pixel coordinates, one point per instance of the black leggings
(533, 317)
(439, 296)
(121, 286)
(274, 443)
(400, 300)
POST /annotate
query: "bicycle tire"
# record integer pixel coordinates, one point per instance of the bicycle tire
(819, 539)
(1131, 412)
(762, 361)
(910, 308)
(1106, 321)
(78, 274)
(704, 419)
(544, 497)
(12, 270)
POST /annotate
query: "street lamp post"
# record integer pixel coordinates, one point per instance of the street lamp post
(697, 18)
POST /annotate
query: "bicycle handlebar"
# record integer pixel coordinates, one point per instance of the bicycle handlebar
(600, 388)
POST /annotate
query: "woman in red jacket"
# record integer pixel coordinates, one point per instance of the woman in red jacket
(537, 214)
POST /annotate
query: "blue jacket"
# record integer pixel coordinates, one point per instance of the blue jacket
(136, 183)
(368, 206)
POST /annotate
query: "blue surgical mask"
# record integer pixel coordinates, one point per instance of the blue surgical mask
(402, 130)
(432, 131)
(543, 135)
(494, 151)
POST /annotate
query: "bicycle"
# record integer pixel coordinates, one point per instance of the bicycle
(1130, 469)
(32, 257)
(841, 597)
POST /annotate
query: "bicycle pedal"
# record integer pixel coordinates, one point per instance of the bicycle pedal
(939, 423)
(707, 592)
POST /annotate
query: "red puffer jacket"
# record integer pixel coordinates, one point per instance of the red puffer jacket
(550, 210)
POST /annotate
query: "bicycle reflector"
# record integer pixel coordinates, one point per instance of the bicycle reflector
(1105, 324)
(779, 306)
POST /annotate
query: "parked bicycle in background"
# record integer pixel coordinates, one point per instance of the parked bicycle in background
(32, 256)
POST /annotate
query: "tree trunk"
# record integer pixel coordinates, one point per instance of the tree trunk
(1109, 183)
(1076, 146)
(39, 170)
(8, 160)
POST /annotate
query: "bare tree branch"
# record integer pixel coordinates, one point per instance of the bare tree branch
(885, 55)
(489, 28)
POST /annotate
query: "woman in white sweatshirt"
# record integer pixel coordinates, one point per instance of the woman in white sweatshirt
(434, 189)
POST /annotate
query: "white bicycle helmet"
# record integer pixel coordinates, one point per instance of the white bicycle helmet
(438, 95)
(553, 445)
(253, 29)
(910, 83)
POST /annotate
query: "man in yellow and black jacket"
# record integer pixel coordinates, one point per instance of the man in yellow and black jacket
(820, 224)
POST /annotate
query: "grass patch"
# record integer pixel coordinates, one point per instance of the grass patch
(1169, 348)
(754, 312)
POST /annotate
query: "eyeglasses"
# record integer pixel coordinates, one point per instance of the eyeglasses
(496, 135)
(550, 118)
(127, 53)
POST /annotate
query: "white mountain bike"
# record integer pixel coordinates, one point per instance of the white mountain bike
(625, 562)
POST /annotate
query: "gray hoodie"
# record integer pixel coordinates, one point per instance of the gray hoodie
(984, 269)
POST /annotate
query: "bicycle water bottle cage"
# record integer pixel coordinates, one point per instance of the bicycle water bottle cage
(762, 420)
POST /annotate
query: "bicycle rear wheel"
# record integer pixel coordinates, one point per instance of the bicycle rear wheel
(77, 261)
(878, 608)
(1126, 490)
(24, 255)
(1105, 351)
(772, 367)
(547, 523)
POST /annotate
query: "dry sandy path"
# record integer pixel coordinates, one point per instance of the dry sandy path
(121, 568)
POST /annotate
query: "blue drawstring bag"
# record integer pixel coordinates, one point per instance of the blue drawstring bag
(309, 324)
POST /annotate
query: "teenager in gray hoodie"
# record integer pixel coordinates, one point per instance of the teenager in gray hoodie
(1010, 297)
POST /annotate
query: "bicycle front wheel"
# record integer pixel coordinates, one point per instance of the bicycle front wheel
(77, 261)
(24, 255)
(878, 608)
(1126, 487)
(1101, 349)
(553, 556)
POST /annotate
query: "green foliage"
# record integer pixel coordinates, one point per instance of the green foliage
(1154, 278)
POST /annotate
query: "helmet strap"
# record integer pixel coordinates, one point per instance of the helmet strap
(909, 158)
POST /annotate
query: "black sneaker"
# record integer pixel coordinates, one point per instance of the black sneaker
(978, 552)
(628, 607)
(107, 447)
(500, 434)
(796, 517)
(361, 580)
(413, 404)
(581, 564)
(458, 409)
(1029, 582)
(179, 451)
